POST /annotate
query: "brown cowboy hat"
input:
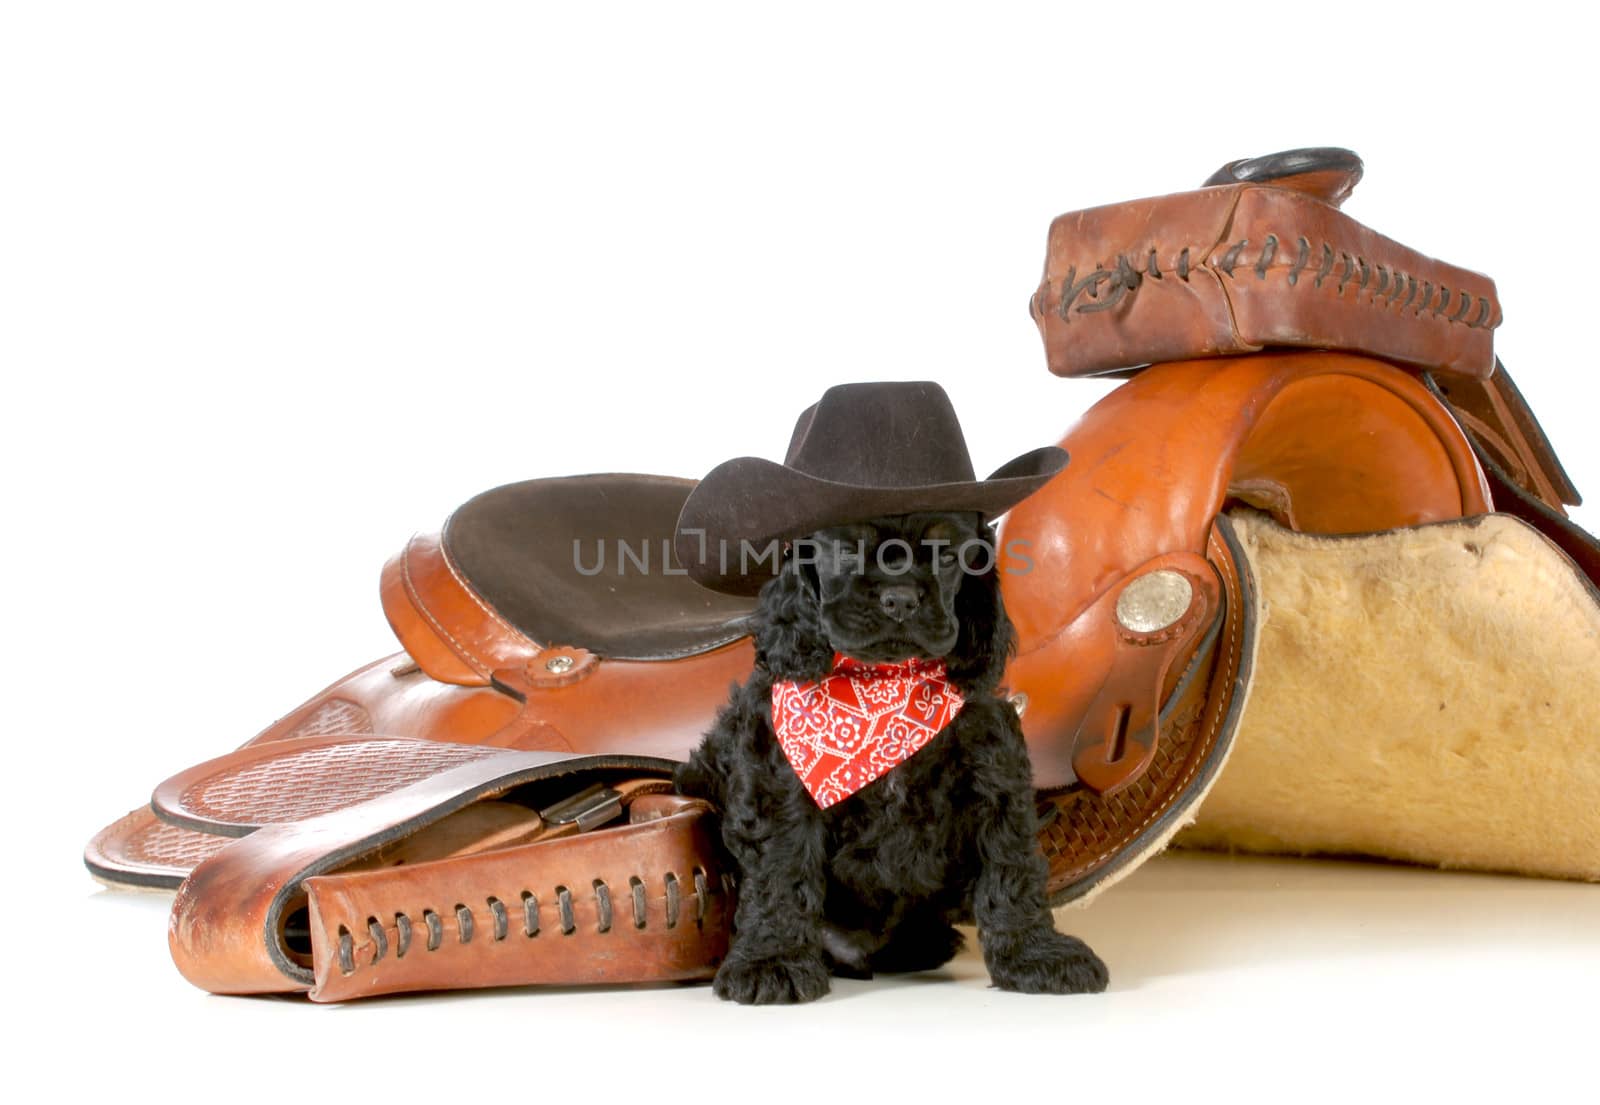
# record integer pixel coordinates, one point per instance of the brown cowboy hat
(861, 451)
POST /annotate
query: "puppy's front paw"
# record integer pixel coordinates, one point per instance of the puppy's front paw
(1048, 962)
(775, 980)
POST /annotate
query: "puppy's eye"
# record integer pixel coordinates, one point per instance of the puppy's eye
(976, 557)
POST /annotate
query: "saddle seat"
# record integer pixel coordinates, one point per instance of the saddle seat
(587, 561)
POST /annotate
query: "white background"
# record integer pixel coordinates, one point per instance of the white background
(281, 284)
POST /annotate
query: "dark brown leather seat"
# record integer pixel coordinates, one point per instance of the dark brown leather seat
(587, 561)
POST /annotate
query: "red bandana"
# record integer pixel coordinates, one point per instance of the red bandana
(845, 731)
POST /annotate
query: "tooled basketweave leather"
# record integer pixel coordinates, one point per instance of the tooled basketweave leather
(1127, 720)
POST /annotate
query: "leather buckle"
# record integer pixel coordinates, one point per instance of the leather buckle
(588, 809)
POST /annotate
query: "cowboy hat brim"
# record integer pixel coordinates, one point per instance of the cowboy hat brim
(744, 505)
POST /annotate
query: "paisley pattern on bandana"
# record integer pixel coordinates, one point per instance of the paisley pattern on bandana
(860, 721)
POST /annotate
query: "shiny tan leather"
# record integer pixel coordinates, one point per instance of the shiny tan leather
(1115, 742)
(394, 695)
(1092, 835)
(1238, 268)
(1328, 442)
(229, 927)
(452, 634)
(633, 904)
(574, 701)
(1525, 476)
(1493, 412)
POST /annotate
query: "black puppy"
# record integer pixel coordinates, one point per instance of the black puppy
(875, 881)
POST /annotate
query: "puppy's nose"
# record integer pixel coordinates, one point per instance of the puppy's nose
(898, 601)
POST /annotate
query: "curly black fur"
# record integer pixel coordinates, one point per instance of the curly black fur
(875, 882)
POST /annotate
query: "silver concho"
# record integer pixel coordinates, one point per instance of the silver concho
(1153, 602)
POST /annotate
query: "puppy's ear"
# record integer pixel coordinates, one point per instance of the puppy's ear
(789, 639)
(986, 639)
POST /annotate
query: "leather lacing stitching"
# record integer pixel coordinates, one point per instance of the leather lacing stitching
(1391, 288)
(500, 917)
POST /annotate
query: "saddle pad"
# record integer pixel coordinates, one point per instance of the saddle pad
(1457, 727)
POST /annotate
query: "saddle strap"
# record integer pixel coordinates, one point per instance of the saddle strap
(1493, 412)
(466, 877)
(1526, 478)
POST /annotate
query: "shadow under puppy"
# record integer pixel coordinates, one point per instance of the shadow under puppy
(874, 787)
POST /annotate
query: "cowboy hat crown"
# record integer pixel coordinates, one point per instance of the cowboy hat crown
(861, 451)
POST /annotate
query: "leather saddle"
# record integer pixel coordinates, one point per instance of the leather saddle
(1289, 375)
